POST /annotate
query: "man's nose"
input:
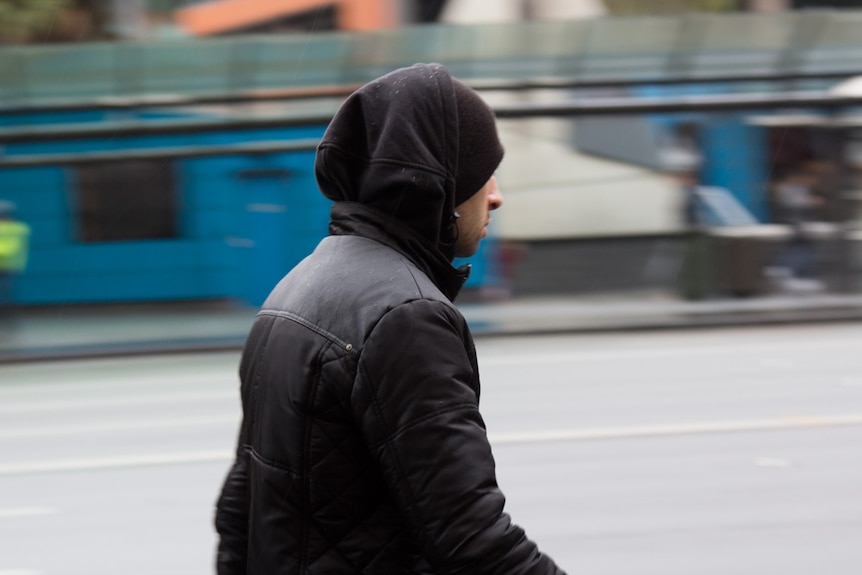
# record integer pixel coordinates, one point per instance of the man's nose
(495, 196)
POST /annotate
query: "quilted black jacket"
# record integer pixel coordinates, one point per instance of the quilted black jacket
(362, 449)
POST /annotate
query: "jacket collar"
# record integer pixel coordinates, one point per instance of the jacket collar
(355, 219)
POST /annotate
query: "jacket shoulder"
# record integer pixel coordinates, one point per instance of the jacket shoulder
(348, 283)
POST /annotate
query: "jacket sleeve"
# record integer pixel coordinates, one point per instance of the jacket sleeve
(417, 405)
(231, 519)
(232, 507)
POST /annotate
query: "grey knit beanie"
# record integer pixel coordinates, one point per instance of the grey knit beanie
(479, 147)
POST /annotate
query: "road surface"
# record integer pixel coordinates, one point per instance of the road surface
(691, 452)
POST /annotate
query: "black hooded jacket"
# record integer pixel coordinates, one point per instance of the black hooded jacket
(362, 449)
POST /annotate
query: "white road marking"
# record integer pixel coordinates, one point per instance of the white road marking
(99, 402)
(63, 430)
(676, 429)
(675, 351)
(99, 377)
(213, 456)
(772, 462)
(26, 512)
(97, 463)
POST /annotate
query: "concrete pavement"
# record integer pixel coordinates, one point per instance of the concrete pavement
(100, 331)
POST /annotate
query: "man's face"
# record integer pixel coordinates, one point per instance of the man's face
(475, 214)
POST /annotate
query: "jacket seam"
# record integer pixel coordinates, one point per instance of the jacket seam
(421, 296)
(307, 324)
(401, 430)
(401, 474)
(255, 387)
(305, 464)
(256, 455)
(412, 273)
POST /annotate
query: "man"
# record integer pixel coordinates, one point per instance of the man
(362, 449)
(682, 161)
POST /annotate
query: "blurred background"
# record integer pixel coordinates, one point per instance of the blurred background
(670, 164)
(162, 151)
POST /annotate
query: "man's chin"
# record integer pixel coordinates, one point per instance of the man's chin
(466, 252)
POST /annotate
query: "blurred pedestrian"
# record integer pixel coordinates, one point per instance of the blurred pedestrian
(681, 161)
(362, 449)
(14, 247)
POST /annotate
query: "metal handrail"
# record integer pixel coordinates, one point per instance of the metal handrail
(574, 108)
(172, 152)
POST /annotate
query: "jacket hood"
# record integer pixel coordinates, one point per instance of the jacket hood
(393, 146)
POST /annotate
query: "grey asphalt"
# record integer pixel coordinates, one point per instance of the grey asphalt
(671, 452)
(114, 330)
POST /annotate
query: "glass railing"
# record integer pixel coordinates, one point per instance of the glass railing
(692, 47)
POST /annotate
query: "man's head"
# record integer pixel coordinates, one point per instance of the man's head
(412, 145)
(479, 154)
(479, 147)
